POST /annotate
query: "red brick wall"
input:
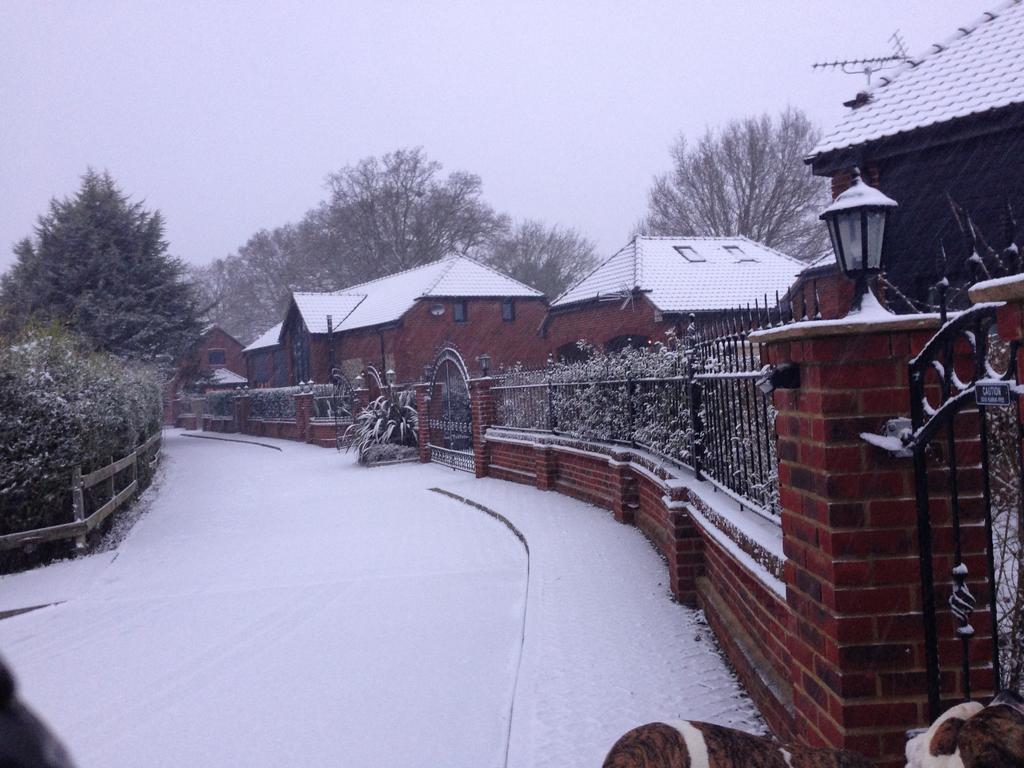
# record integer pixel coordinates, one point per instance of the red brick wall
(416, 339)
(599, 323)
(217, 338)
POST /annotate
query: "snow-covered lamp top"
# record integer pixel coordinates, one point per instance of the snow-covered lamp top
(856, 224)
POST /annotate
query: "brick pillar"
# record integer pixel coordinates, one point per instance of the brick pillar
(624, 504)
(545, 468)
(423, 395)
(481, 403)
(849, 534)
(360, 400)
(303, 413)
(199, 411)
(240, 411)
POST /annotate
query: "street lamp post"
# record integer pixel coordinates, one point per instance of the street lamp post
(856, 224)
(485, 363)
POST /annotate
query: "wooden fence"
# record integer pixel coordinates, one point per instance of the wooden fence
(80, 526)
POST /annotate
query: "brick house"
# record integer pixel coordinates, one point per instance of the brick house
(400, 322)
(215, 362)
(946, 127)
(266, 364)
(652, 285)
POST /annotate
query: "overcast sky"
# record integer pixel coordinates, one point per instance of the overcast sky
(228, 116)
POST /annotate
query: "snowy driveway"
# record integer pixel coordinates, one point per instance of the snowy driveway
(290, 608)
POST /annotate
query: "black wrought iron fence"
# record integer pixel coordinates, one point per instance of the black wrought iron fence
(697, 405)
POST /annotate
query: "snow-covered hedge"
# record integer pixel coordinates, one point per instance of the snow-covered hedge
(60, 408)
(277, 403)
(220, 403)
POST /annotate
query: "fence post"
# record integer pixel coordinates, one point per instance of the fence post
(696, 424)
(848, 510)
(78, 504)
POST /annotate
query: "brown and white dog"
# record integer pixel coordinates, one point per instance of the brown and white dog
(691, 744)
(972, 736)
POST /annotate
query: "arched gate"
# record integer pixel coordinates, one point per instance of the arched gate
(450, 428)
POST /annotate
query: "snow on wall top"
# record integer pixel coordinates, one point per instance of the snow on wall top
(386, 299)
(978, 69)
(689, 274)
(269, 338)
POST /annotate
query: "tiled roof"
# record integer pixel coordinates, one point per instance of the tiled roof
(978, 69)
(386, 299)
(689, 274)
(269, 338)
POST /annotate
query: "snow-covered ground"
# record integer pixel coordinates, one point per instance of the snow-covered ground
(291, 608)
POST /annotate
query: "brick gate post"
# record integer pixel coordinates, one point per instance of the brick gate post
(240, 411)
(852, 573)
(482, 406)
(303, 413)
(423, 394)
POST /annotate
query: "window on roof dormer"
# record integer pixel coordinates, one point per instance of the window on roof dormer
(689, 253)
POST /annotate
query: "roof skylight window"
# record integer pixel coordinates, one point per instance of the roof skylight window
(689, 253)
(736, 251)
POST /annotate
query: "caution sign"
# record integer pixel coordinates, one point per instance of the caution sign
(992, 393)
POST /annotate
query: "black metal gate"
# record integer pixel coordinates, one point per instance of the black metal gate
(450, 429)
(954, 382)
(340, 406)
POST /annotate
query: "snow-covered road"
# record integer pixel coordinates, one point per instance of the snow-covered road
(291, 608)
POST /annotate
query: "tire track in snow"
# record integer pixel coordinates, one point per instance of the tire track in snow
(526, 596)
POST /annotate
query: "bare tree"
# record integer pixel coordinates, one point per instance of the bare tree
(745, 179)
(392, 213)
(548, 258)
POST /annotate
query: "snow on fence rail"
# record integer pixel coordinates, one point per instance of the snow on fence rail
(697, 405)
(146, 453)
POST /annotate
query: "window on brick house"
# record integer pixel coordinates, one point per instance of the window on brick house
(459, 314)
(216, 356)
(508, 310)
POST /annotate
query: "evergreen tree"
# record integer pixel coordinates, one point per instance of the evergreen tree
(99, 266)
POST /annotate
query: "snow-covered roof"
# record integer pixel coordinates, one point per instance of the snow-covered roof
(978, 69)
(269, 338)
(315, 307)
(689, 274)
(386, 299)
(224, 376)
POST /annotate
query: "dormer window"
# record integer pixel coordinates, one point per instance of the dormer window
(689, 253)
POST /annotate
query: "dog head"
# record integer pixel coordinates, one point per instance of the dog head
(972, 736)
(25, 741)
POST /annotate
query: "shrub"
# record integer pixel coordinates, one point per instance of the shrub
(220, 404)
(391, 418)
(61, 407)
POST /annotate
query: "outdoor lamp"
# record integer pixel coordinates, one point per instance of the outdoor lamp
(856, 225)
(360, 382)
(428, 372)
(389, 375)
(485, 362)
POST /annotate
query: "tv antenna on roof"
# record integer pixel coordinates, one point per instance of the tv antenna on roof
(868, 67)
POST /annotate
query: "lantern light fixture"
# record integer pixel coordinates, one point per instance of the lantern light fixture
(856, 222)
(485, 362)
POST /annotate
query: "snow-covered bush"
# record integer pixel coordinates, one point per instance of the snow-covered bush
(220, 404)
(60, 408)
(390, 418)
(278, 403)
